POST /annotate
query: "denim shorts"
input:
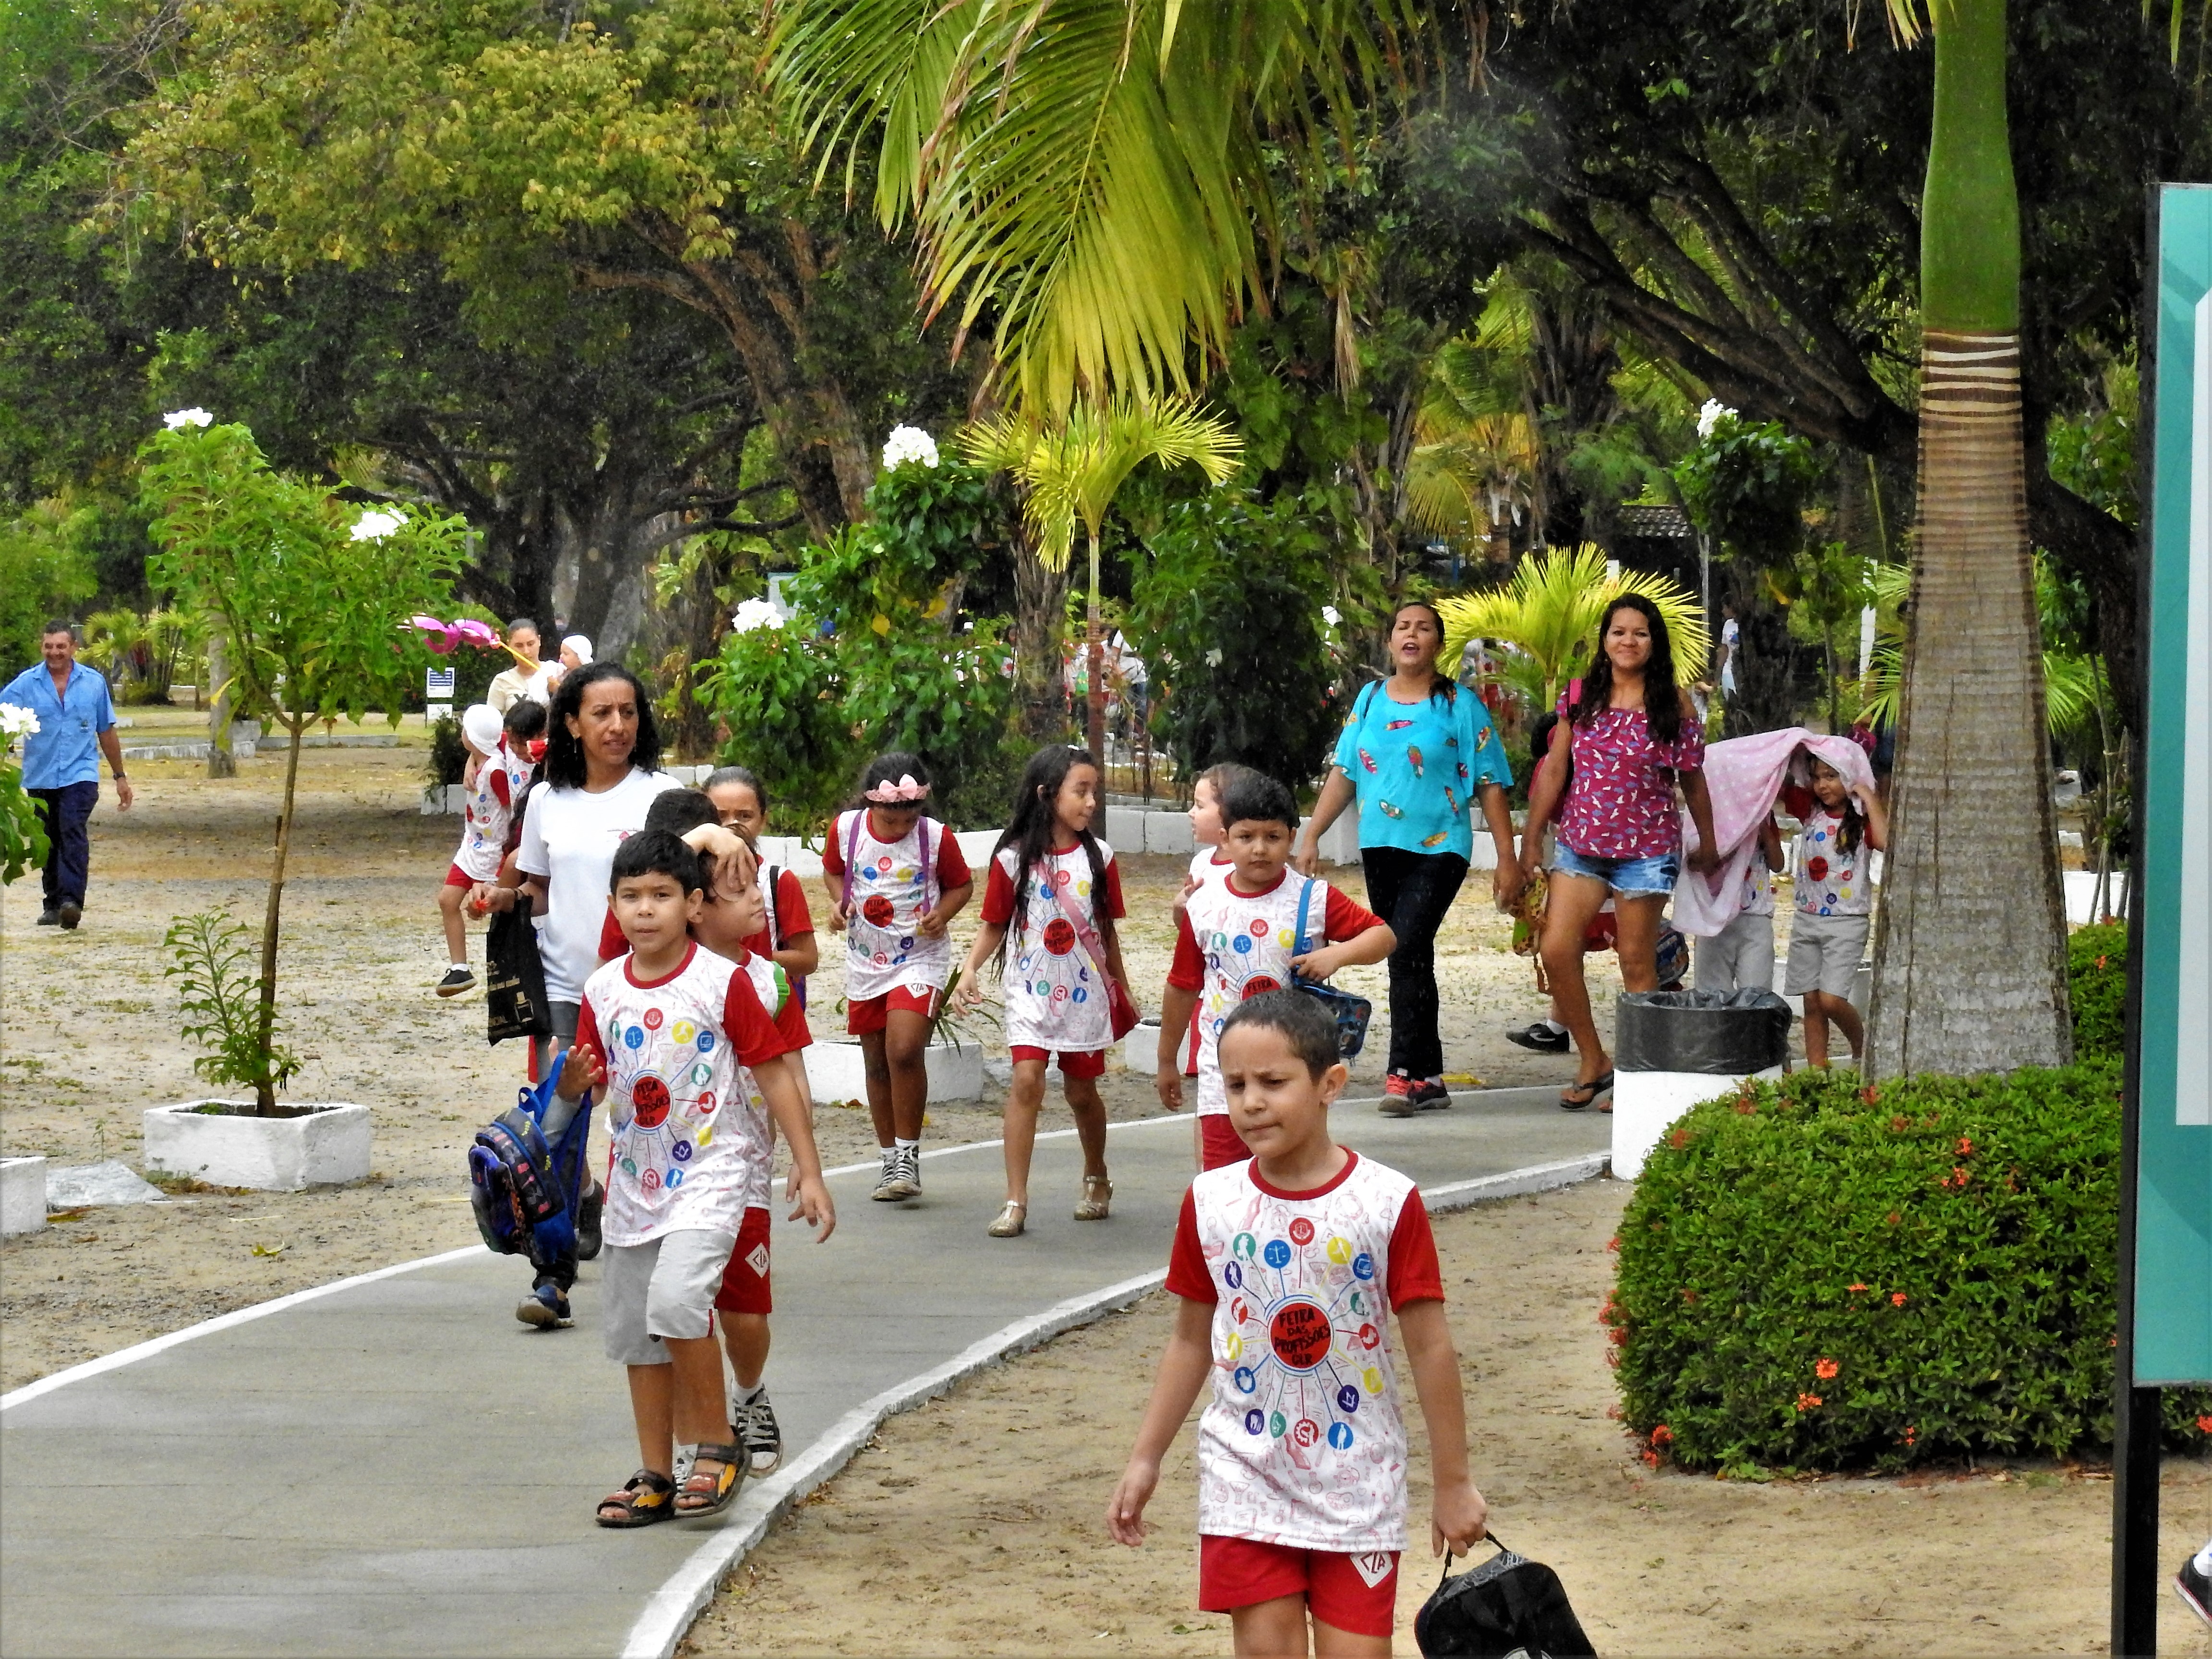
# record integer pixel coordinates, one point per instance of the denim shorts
(1646, 878)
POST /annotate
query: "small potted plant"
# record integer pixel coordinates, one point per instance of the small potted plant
(310, 594)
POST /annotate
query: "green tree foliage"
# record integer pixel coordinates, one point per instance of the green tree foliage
(45, 572)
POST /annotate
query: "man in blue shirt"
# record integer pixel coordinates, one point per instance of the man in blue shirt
(61, 768)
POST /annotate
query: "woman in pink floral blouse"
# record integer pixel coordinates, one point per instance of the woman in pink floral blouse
(1627, 738)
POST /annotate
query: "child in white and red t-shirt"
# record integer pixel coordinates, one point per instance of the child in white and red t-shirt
(1240, 936)
(895, 879)
(1289, 1266)
(1211, 862)
(1053, 897)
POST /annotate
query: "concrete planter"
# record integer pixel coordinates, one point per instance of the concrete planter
(1645, 1105)
(22, 1194)
(835, 1071)
(324, 1144)
(1140, 1049)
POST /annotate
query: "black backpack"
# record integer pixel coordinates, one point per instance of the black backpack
(1508, 1607)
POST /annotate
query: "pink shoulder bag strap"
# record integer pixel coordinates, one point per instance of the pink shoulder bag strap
(1120, 1011)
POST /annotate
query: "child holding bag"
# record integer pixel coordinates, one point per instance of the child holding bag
(1055, 886)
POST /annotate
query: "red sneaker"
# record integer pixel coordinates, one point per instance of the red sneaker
(1398, 1098)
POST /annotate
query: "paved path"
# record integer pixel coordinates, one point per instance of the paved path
(397, 1466)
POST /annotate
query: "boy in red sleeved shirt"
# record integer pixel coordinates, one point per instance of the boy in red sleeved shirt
(1242, 937)
(1289, 1266)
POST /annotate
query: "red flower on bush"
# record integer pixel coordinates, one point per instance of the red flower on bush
(1678, 1140)
(1897, 1298)
(2204, 1425)
(1966, 1147)
(1825, 1369)
(1817, 868)
(1661, 1435)
(1689, 1294)
(1899, 1125)
(1911, 1434)
(1612, 1243)
(1858, 1287)
(1806, 1402)
(2101, 965)
(1870, 1094)
(1891, 1218)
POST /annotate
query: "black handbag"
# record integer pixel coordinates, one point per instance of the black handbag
(1351, 1013)
(514, 979)
(1509, 1606)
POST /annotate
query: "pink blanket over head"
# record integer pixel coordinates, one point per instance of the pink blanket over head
(1744, 775)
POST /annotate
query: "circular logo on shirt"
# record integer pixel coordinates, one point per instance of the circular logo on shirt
(1256, 1421)
(1079, 995)
(634, 1037)
(1817, 868)
(1340, 1434)
(653, 1019)
(1060, 936)
(1363, 1265)
(650, 1180)
(1300, 1335)
(883, 863)
(681, 1152)
(1259, 985)
(649, 1095)
(706, 1103)
(1243, 945)
(1302, 1231)
(1307, 1433)
(1260, 929)
(1233, 1276)
(1369, 1336)
(702, 1073)
(1339, 1252)
(1244, 1247)
(876, 910)
(1277, 1255)
(683, 1031)
(1347, 1399)
(1245, 1380)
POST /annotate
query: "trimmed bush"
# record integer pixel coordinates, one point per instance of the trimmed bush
(2097, 974)
(1818, 1275)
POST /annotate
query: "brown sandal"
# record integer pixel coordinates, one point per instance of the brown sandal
(645, 1499)
(710, 1494)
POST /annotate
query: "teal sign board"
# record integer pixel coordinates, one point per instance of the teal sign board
(2173, 1174)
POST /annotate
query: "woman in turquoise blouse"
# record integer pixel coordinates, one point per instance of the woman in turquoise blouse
(1420, 752)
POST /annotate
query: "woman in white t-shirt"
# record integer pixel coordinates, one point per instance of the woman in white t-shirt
(602, 770)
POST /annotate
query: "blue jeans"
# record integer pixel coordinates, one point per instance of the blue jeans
(66, 814)
(1645, 878)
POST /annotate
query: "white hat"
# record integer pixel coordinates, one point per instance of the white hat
(481, 725)
(581, 646)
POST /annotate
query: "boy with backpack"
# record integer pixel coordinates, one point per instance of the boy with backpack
(671, 1029)
(1288, 1267)
(1255, 930)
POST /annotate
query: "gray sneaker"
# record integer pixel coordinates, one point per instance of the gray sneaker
(906, 1174)
(755, 1430)
(888, 1189)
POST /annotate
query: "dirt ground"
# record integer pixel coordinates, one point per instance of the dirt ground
(974, 1525)
(89, 1039)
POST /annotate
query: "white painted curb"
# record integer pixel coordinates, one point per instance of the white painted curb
(669, 1614)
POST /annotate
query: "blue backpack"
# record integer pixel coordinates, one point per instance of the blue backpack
(523, 1191)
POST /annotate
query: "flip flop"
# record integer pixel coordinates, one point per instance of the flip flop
(1589, 1091)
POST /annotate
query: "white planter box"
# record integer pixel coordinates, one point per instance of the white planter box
(1646, 1103)
(836, 1070)
(22, 1194)
(324, 1145)
(1140, 1049)
(1169, 832)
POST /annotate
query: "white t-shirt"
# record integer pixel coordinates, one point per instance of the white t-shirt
(893, 887)
(1056, 994)
(1302, 1442)
(569, 838)
(513, 685)
(1829, 881)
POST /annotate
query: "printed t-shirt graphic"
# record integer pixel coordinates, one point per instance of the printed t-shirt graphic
(679, 1153)
(1829, 880)
(1231, 946)
(483, 829)
(1620, 803)
(891, 893)
(772, 985)
(1418, 766)
(1302, 1442)
(1055, 994)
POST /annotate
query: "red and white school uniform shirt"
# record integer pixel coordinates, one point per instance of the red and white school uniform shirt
(1207, 864)
(892, 888)
(772, 985)
(679, 1155)
(1231, 946)
(1829, 881)
(490, 813)
(1304, 1441)
(1056, 994)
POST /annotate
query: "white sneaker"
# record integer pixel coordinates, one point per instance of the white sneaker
(755, 1430)
(888, 1189)
(904, 1180)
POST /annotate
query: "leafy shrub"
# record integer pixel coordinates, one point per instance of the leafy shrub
(448, 757)
(1816, 1275)
(220, 1001)
(2097, 978)
(778, 690)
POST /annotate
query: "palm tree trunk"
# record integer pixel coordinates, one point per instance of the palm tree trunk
(1096, 679)
(1969, 966)
(264, 1090)
(1040, 604)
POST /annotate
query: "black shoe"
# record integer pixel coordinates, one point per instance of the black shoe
(546, 1309)
(50, 918)
(2194, 1590)
(1430, 1095)
(70, 913)
(458, 979)
(587, 1223)
(1540, 1037)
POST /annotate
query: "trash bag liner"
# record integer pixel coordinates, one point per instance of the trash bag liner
(1733, 1034)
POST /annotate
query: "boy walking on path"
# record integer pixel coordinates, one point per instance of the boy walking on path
(1288, 1266)
(670, 1029)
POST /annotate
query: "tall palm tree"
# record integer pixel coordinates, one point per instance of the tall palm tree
(1072, 467)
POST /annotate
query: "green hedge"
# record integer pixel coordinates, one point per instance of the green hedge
(1818, 1275)
(2097, 972)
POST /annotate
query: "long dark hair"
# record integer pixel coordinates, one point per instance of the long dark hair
(1662, 699)
(1440, 684)
(1031, 834)
(1853, 827)
(564, 750)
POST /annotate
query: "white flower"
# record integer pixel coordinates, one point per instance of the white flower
(754, 613)
(909, 443)
(17, 722)
(374, 526)
(177, 417)
(1331, 616)
(1213, 657)
(1710, 416)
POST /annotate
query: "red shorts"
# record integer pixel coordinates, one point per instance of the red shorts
(1082, 1062)
(456, 877)
(1220, 1141)
(865, 1018)
(1238, 1572)
(745, 1280)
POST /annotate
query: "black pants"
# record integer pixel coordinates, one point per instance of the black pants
(1412, 891)
(66, 814)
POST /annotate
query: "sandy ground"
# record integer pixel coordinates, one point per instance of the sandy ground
(88, 1040)
(974, 1525)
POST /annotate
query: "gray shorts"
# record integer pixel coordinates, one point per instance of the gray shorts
(1825, 953)
(662, 1288)
(1740, 957)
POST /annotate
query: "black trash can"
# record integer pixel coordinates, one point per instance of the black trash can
(1674, 1048)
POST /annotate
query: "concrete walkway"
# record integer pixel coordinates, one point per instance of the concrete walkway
(396, 1467)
